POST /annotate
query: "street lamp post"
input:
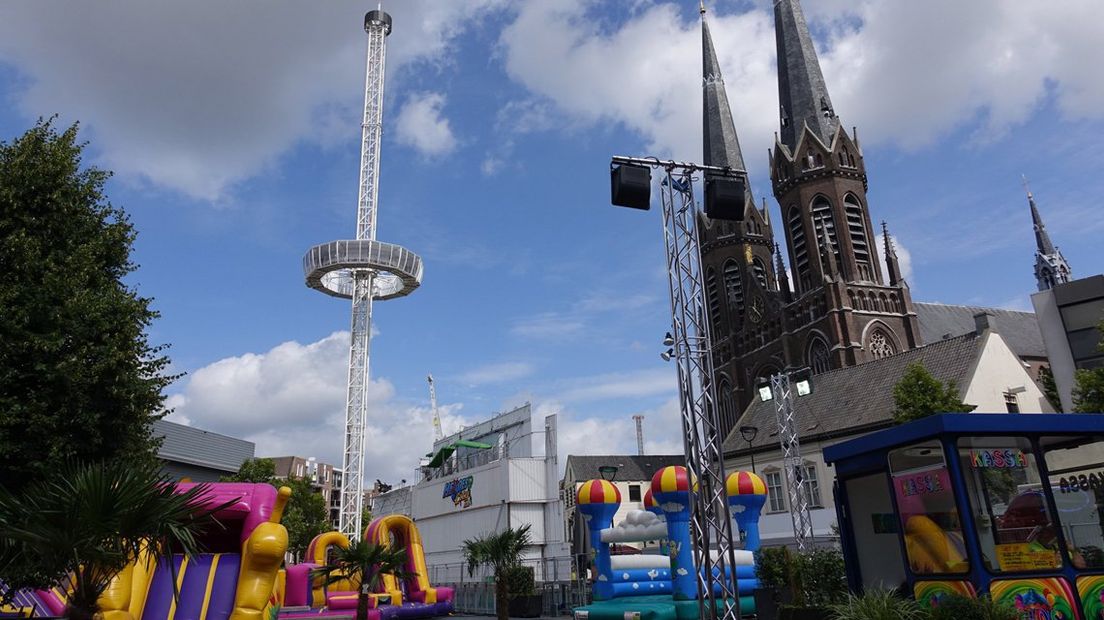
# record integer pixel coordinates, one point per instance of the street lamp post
(749, 433)
(782, 388)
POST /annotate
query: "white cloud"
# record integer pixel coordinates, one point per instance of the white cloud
(198, 96)
(886, 71)
(547, 325)
(421, 125)
(605, 435)
(621, 385)
(290, 400)
(496, 373)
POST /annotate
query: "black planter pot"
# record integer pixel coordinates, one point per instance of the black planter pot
(804, 613)
(766, 604)
(526, 606)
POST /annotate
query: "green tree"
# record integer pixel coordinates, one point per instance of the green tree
(363, 562)
(918, 395)
(305, 517)
(502, 553)
(1050, 388)
(1088, 389)
(79, 380)
(87, 522)
(255, 470)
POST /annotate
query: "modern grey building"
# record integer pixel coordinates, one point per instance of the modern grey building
(1068, 315)
(199, 455)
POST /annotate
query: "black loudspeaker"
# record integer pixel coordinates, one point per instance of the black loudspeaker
(631, 186)
(724, 198)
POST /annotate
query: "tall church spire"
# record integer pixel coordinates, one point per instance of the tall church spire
(893, 267)
(722, 147)
(802, 93)
(1051, 267)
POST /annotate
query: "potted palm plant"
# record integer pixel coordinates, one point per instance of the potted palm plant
(85, 524)
(500, 552)
(363, 562)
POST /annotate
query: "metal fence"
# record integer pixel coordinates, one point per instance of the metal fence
(557, 585)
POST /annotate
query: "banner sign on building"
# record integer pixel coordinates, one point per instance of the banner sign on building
(459, 491)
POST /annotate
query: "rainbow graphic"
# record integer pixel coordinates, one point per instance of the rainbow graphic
(1045, 598)
(1091, 590)
(929, 593)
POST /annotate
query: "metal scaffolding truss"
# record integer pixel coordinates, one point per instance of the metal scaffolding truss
(791, 459)
(710, 524)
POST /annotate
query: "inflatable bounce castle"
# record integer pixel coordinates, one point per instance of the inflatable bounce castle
(305, 596)
(234, 579)
(662, 586)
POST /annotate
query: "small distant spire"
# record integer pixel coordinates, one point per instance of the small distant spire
(702, 7)
(783, 279)
(1051, 267)
(892, 265)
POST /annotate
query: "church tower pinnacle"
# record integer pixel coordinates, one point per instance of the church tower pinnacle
(802, 93)
(1051, 267)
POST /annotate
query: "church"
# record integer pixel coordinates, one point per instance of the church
(836, 310)
(835, 307)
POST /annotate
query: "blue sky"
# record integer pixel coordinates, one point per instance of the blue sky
(234, 134)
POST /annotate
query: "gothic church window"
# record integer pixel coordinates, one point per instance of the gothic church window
(727, 407)
(760, 270)
(714, 295)
(825, 224)
(818, 358)
(880, 345)
(734, 286)
(801, 255)
(856, 229)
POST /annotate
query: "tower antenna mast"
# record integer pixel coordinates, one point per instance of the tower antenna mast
(639, 419)
(363, 270)
(438, 434)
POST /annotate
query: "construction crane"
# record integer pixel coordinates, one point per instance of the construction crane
(438, 434)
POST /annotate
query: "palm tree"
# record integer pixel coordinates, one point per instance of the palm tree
(84, 524)
(363, 562)
(501, 552)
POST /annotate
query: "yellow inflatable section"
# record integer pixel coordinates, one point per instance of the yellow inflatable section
(405, 534)
(930, 549)
(126, 597)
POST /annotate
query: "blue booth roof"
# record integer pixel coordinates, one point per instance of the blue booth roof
(966, 424)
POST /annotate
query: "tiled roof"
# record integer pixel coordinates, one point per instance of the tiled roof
(629, 467)
(1018, 329)
(858, 397)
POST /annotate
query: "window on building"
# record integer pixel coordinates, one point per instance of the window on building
(819, 359)
(734, 286)
(1011, 402)
(714, 296)
(760, 270)
(776, 497)
(1073, 465)
(856, 230)
(880, 345)
(812, 486)
(800, 252)
(634, 492)
(825, 225)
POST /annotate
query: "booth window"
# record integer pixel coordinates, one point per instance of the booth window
(1014, 520)
(926, 510)
(1075, 467)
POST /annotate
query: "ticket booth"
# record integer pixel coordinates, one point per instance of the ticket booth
(971, 503)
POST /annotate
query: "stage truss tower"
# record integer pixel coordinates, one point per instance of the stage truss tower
(363, 270)
(711, 522)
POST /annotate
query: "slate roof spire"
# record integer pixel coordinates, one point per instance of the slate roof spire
(722, 146)
(1051, 267)
(802, 94)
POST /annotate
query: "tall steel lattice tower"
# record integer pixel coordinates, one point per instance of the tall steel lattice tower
(363, 270)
